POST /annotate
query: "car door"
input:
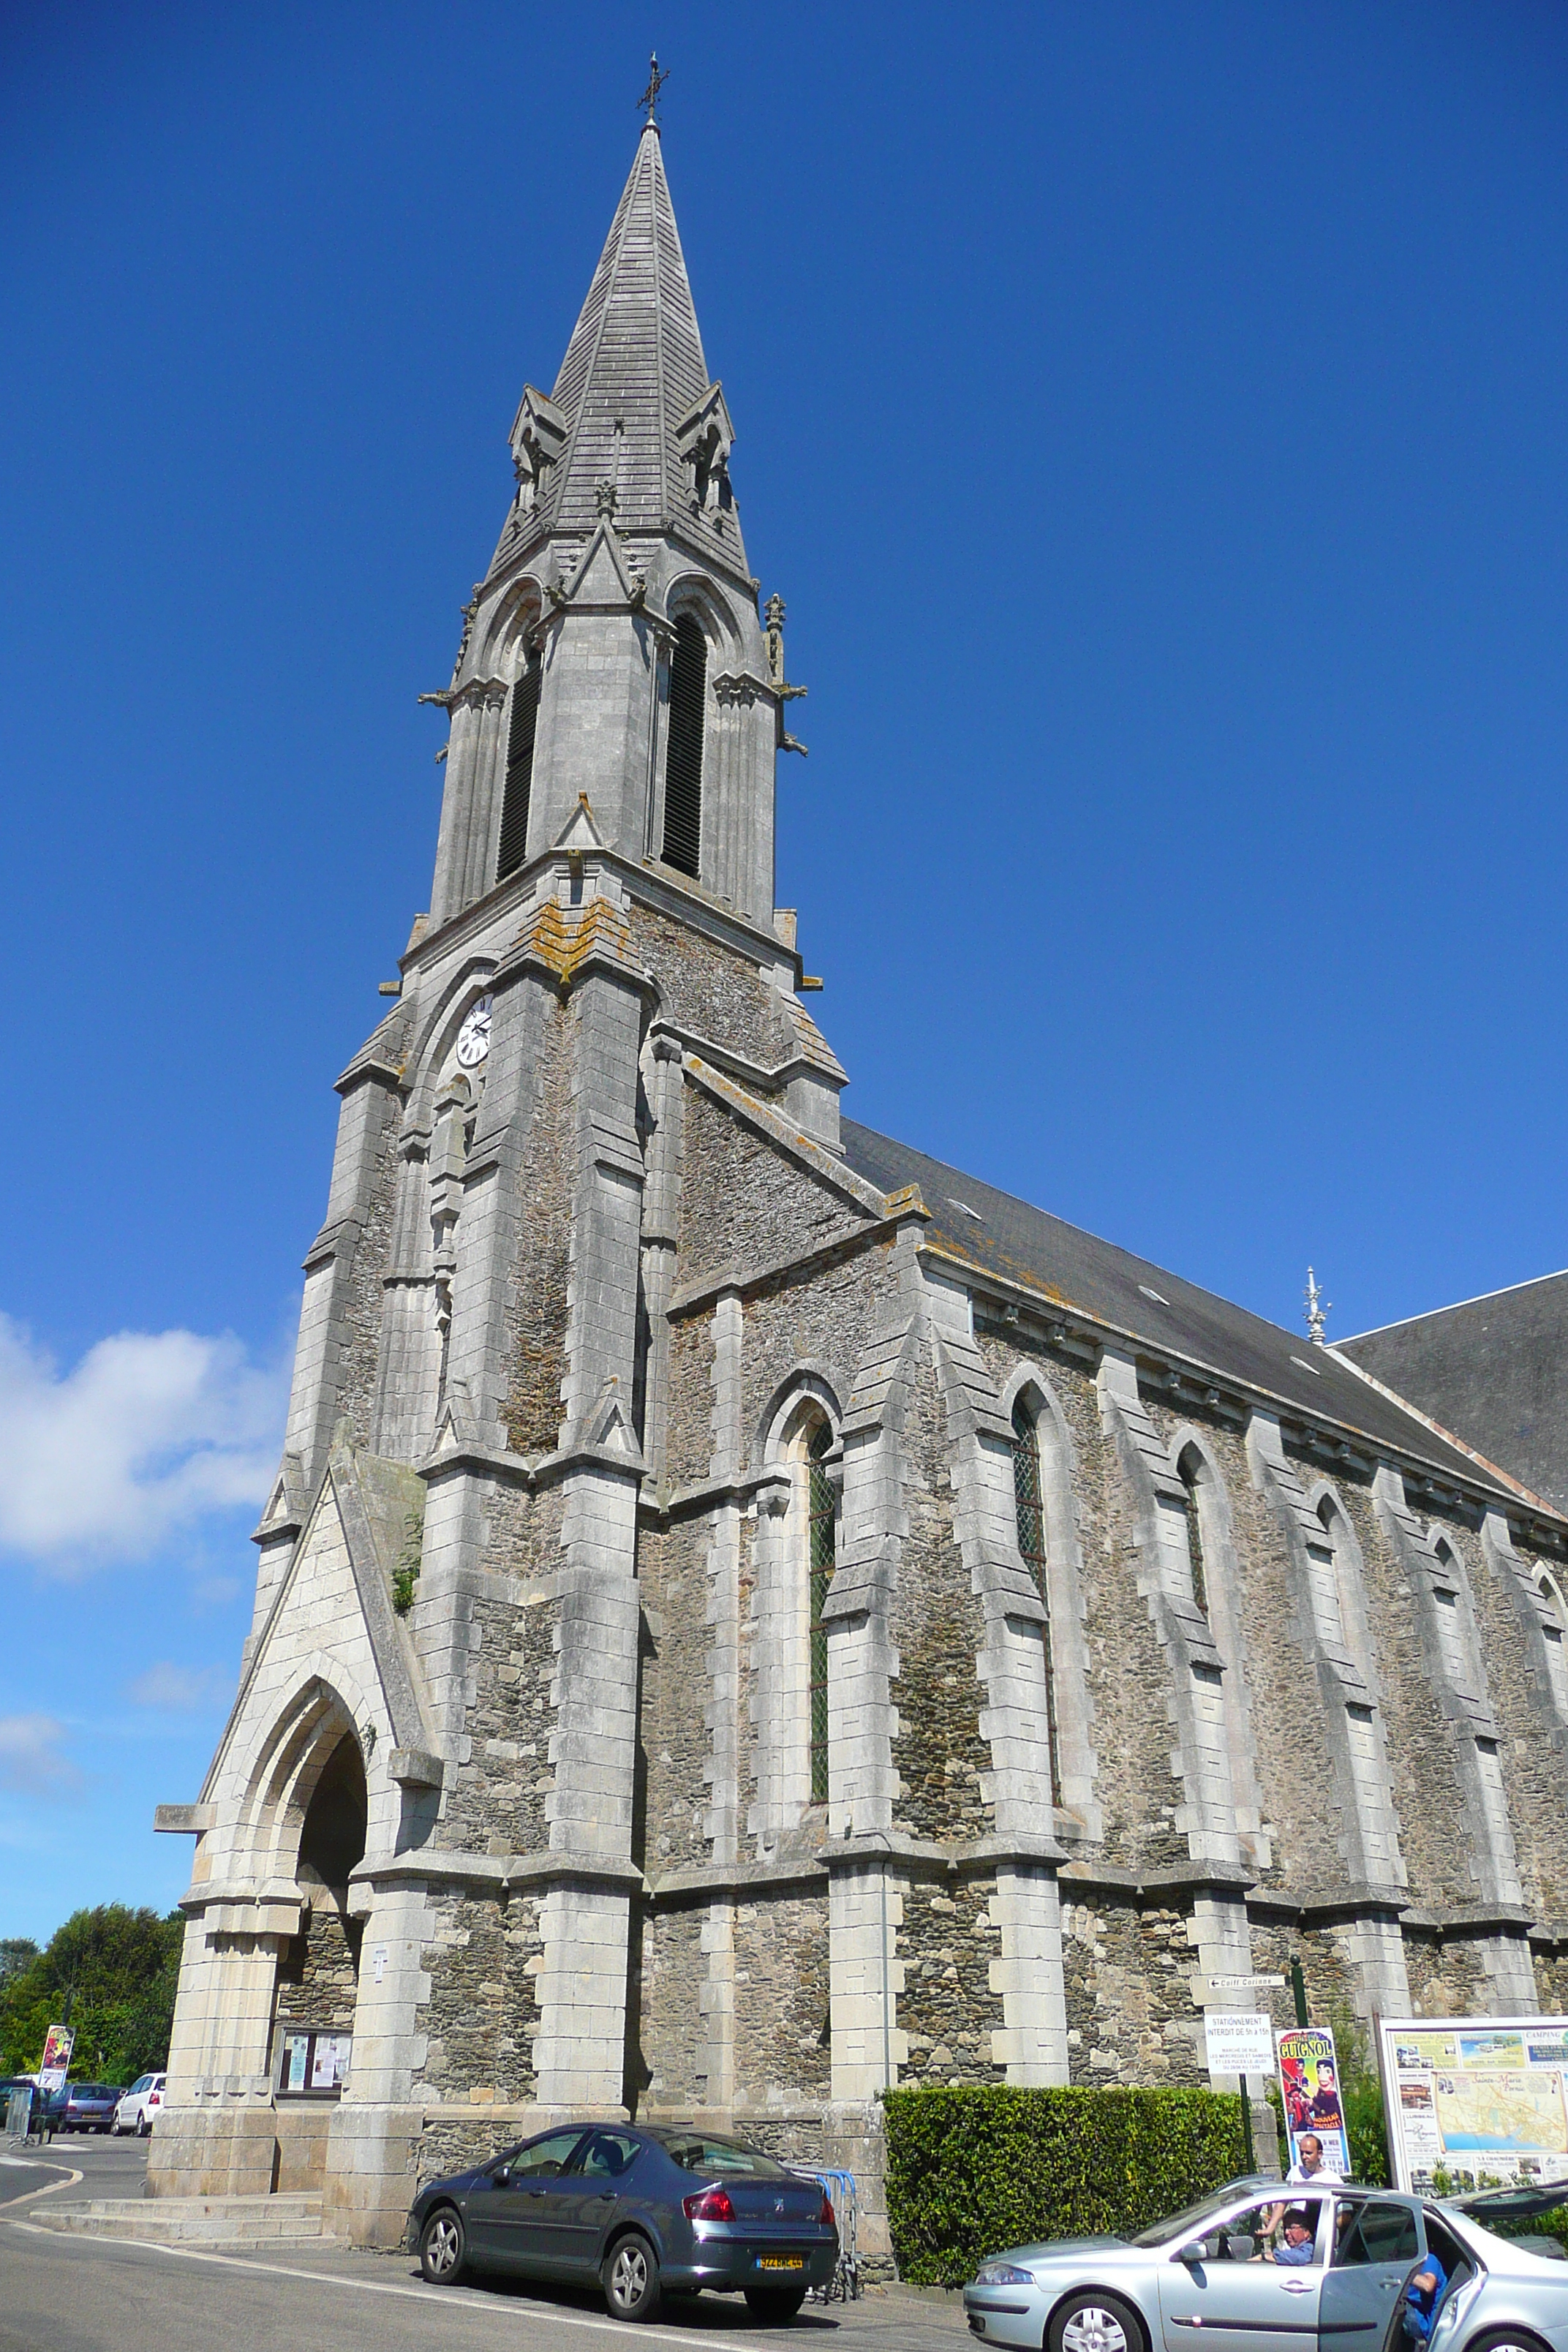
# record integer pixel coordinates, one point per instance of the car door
(584, 2202)
(1226, 2297)
(505, 2212)
(1378, 2243)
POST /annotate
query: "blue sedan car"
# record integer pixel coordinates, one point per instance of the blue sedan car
(1259, 2267)
(649, 2210)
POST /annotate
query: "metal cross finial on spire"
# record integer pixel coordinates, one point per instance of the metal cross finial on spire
(655, 81)
(1319, 1309)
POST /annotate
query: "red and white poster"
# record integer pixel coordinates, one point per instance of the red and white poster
(57, 2050)
(1309, 2087)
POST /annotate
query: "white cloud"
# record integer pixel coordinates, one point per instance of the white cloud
(28, 1761)
(181, 1689)
(149, 1432)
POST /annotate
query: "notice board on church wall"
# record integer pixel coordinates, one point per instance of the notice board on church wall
(1482, 2099)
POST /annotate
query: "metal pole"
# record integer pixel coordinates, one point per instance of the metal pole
(1299, 1987)
(1250, 2159)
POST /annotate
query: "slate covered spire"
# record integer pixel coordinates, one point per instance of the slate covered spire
(633, 403)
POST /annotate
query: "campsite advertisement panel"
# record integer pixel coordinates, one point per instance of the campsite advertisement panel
(1478, 2098)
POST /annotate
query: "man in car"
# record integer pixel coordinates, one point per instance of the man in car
(1298, 2240)
(1422, 2297)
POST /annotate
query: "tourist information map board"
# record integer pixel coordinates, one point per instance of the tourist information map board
(1480, 2098)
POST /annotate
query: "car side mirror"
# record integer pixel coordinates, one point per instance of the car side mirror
(502, 2175)
(1191, 2255)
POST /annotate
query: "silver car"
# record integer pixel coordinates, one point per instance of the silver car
(1259, 2267)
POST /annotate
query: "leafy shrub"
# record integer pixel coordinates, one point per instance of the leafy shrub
(973, 2170)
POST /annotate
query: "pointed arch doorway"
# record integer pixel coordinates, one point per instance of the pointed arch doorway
(318, 1968)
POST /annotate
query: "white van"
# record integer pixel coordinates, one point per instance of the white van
(140, 2108)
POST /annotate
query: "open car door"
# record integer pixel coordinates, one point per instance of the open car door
(1377, 2245)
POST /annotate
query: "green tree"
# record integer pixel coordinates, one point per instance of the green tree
(15, 1951)
(119, 1969)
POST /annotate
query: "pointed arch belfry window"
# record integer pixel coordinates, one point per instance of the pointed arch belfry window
(1031, 1519)
(819, 1572)
(683, 749)
(518, 789)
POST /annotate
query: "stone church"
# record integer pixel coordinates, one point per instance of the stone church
(748, 1614)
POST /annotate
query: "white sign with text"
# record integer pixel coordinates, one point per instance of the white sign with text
(1240, 2041)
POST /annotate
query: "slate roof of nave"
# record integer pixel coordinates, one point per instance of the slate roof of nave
(1073, 1269)
(1494, 1367)
(635, 357)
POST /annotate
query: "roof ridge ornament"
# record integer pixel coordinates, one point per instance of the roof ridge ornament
(655, 81)
(1319, 1309)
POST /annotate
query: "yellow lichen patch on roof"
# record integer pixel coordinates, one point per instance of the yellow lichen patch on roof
(566, 937)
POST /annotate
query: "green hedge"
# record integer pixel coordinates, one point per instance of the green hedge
(970, 2171)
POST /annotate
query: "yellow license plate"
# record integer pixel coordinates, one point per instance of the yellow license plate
(781, 2262)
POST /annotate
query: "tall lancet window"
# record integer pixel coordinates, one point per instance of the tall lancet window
(683, 753)
(519, 767)
(1031, 1518)
(1192, 1475)
(819, 1571)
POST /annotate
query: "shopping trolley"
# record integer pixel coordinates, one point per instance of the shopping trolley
(844, 2287)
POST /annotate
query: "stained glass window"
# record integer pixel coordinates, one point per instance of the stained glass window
(1032, 1535)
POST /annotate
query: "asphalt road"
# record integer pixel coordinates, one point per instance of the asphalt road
(64, 2293)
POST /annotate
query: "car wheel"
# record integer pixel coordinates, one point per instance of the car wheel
(442, 2246)
(114, 2129)
(1092, 2322)
(774, 2302)
(1505, 2339)
(630, 2277)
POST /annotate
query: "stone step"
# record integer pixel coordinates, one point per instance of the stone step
(290, 2219)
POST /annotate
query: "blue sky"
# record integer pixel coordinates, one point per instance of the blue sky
(1155, 418)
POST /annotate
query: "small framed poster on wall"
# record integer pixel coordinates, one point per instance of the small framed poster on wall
(312, 2062)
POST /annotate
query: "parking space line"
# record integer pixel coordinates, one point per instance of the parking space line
(433, 2297)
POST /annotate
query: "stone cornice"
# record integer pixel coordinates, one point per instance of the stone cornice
(703, 1881)
(1352, 1900)
(929, 1856)
(1468, 1919)
(531, 1471)
(497, 1872)
(1224, 1878)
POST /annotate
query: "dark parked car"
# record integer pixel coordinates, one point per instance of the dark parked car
(89, 2107)
(649, 2210)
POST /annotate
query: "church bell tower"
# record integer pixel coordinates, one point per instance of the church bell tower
(418, 1845)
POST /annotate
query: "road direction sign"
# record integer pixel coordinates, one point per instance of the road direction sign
(1245, 1984)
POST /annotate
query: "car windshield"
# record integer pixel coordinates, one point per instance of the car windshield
(1187, 2224)
(721, 2160)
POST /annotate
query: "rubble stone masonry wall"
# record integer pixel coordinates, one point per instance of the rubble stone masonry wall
(537, 1293)
(1127, 1969)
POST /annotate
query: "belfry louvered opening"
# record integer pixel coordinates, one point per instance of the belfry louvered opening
(519, 785)
(683, 753)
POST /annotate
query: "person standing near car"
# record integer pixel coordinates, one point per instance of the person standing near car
(1309, 2165)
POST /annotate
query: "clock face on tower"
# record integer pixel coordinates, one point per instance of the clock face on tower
(474, 1036)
